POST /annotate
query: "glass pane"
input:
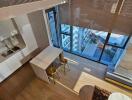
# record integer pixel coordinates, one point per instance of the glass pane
(78, 34)
(65, 42)
(111, 55)
(53, 28)
(65, 28)
(117, 40)
(87, 42)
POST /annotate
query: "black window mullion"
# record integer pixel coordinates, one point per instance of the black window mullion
(106, 41)
(115, 46)
(126, 41)
(66, 34)
(122, 47)
(71, 39)
(55, 18)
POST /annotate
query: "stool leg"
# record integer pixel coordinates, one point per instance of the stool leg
(68, 66)
(58, 75)
(64, 69)
(53, 79)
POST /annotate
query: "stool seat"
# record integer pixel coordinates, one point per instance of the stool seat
(64, 60)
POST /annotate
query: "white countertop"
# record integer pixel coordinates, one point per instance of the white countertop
(46, 57)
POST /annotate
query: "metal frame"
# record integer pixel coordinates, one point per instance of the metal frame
(71, 40)
(55, 19)
(105, 44)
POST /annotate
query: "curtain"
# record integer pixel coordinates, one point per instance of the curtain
(103, 15)
(123, 24)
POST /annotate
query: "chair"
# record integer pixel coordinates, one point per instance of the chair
(64, 62)
(52, 71)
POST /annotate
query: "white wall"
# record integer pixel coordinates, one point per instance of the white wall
(27, 34)
(6, 27)
(10, 65)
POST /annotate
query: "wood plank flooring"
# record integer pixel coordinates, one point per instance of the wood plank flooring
(14, 84)
(39, 90)
(67, 88)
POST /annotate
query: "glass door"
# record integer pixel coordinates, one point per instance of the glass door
(66, 35)
(53, 26)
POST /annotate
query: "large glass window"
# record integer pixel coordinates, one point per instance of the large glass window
(77, 43)
(65, 41)
(96, 45)
(65, 28)
(87, 42)
(117, 40)
(92, 44)
(53, 30)
(111, 55)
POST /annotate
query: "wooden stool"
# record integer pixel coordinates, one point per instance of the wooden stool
(52, 71)
(65, 63)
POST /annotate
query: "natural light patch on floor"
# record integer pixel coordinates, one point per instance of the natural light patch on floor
(87, 79)
(72, 61)
(69, 89)
(87, 69)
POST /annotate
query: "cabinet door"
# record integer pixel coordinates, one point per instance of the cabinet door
(4, 71)
(29, 39)
(10, 65)
(13, 62)
(40, 73)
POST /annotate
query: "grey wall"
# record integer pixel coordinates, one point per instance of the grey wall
(39, 29)
(6, 27)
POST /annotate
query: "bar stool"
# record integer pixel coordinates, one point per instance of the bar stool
(52, 72)
(64, 62)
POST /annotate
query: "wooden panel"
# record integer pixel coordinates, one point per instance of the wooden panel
(40, 73)
(16, 10)
(4, 3)
(94, 14)
(126, 62)
(39, 90)
(37, 22)
(16, 82)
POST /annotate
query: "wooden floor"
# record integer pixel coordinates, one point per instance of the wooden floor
(67, 88)
(39, 90)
